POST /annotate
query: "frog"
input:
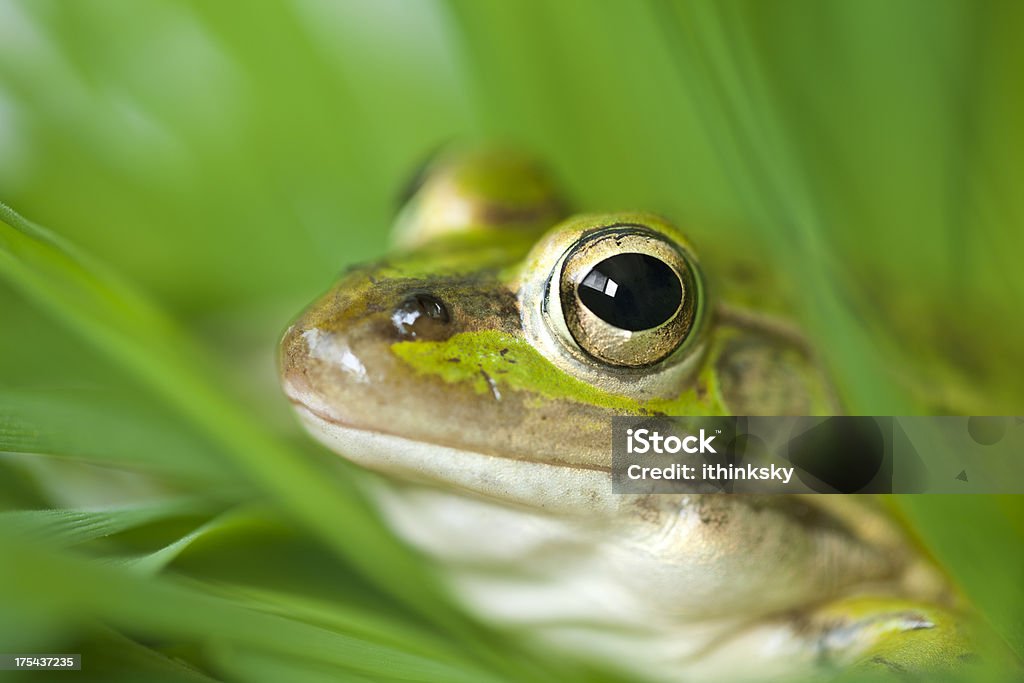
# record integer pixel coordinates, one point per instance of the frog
(474, 372)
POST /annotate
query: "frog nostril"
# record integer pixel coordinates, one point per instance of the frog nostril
(421, 316)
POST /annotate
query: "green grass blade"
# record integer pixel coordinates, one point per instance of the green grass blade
(167, 609)
(980, 542)
(71, 527)
(103, 428)
(109, 314)
(157, 560)
(357, 621)
(109, 657)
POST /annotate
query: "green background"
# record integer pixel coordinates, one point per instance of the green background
(211, 166)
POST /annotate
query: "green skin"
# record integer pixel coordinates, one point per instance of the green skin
(474, 404)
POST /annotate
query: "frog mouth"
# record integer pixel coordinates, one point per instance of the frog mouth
(531, 482)
(572, 492)
(508, 477)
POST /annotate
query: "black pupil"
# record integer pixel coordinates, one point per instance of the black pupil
(632, 291)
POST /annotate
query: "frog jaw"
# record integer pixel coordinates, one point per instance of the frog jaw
(535, 484)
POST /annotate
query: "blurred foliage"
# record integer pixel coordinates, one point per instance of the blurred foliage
(215, 164)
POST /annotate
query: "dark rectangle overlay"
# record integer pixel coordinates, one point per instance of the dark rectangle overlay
(835, 454)
(40, 662)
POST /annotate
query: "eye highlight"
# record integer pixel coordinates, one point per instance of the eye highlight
(628, 295)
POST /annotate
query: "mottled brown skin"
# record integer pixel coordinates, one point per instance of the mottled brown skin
(397, 401)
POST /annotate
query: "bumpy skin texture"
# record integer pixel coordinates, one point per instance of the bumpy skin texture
(444, 368)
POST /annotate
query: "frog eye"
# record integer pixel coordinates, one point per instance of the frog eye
(629, 295)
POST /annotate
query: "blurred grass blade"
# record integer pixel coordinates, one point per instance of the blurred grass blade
(716, 54)
(256, 666)
(360, 622)
(108, 313)
(156, 561)
(67, 528)
(102, 428)
(980, 542)
(166, 609)
(109, 657)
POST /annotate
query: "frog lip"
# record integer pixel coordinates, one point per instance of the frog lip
(323, 417)
(527, 482)
(563, 486)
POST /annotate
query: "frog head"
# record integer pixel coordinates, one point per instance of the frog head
(501, 336)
